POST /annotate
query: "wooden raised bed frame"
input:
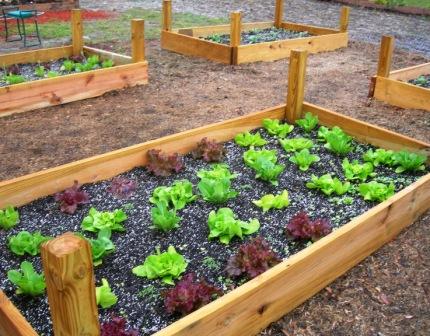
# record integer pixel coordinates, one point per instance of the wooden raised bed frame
(252, 306)
(392, 87)
(128, 71)
(186, 41)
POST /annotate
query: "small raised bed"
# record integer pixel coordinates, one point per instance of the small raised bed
(126, 72)
(190, 41)
(252, 306)
(400, 87)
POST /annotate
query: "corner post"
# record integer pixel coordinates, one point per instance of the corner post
(77, 32)
(385, 56)
(167, 15)
(296, 85)
(235, 34)
(137, 40)
(279, 13)
(68, 268)
(344, 19)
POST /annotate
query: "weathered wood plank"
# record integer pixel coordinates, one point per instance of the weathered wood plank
(412, 72)
(34, 56)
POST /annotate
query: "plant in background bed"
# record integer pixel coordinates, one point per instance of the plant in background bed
(249, 140)
(25, 242)
(28, 281)
(162, 164)
(163, 218)
(304, 159)
(270, 201)
(264, 163)
(408, 161)
(379, 156)
(308, 123)
(71, 197)
(375, 191)
(224, 225)
(116, 327)
(328, 185)
(302, 227)
(52, 74)
(122, 187)
(274, 127)
(215, 184)
(189, 295)
(68, 65)
(168, 265)
(102, 246)
(12, 79)
(178, 195)
(252, 259)
(39, 71)
(209, 150)
(98, 220)
(104, 296)
(296, 144)
(357, 171)
(9, 217)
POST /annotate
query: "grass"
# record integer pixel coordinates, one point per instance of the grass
(410, 3)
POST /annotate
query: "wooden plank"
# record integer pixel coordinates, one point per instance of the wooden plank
(413, 72)
(77, 32)
(59, 90)
(137, 40)
(314, 30)
(193, 46)
(12, 323)
(103, 54)
(344, 19)
(270, 51)
(296, 85)
(221, 29)
(279, 13)
(385, 56)
(35, 56)
(167, 15)
(402, 94)
(254, 305)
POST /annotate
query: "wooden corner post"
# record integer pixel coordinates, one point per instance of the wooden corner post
(167, 15)
(279, 13)
(68, 268)
(235, 34)
(344, 19)
(77, 32)
(296, 85)
(385, 56)
(137, 40)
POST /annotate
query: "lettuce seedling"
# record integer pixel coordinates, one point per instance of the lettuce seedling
(379, 156)
(189, 295)
(12, 79)
(68, 65)
(102, 246)
(252, 259)
(264, 163)
(224, 225)
(9, 217)
(167, 266)
(357, 171)
(409, 161)
(215, 184)
(249, 140)
(25, 242)
(375, 191)
(209, 151)
(270, 201)
(308, 123)
(324, 131)
(302, 227)
(39, 71)
(71, 197)
(274, 127)
(163, 218)
(122, 187)
(52, 74)
(338, 142)
(296, 144)
(162, 164)
(304, 159)
(116, 327)
(28, 281)
(108, 63)
(105, 298)
(97, 220)
(93, 60)
(328, 185)
(178, 195)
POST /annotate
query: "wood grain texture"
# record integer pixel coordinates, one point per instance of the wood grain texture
(103, 54)
(167, 15)
(385, 56)
(221, 29)
(279, 13)
(77, 32)
(296, 85)
(235, 29)
(314, 30)
(68, 268)
(137, 40)
(344, 19)
(35, 56)
(409, 73)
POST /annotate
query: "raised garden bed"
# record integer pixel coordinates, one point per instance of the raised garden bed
(43, 5)
(199, 41)
(407, 88)
(251, 306)
(65, 85)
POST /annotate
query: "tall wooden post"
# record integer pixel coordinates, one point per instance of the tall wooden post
(279, 13)
(385, 56)
(167, 15)
(344, 19)
(235, 34)
(137, 40)
(68, 269)
(296, 85)
(77, 32)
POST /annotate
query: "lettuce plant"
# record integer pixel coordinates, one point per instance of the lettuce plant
(162, 164)
(249, 140)
(252, 259)
(25, 242)
(324, 131)
(296, 144)
(122, 187)
(28, 281)
(116, 327)
(9, 217)
(163, 218)
(12, 79)
(104, 296)
(379, 156)
(409, 161)
(274, 127)
(302, 227)
(39, 71)
(215, 184)
(224, 225)
(357, 171)
(270, 201)
(71, 197)
(308, 123)
(375, 191)
(338, 143)
(178, 195)
(168, 265)
(68, 65)
(102, 246)
(97, 220)
(264, 163)
(189, 295)
(209, 150)
(304, 159)
(107, 63)
(328, 185)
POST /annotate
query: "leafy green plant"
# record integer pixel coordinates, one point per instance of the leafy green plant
(324, 131)
(379, 156)
(211, 263)
(163, 218)
(328, 185)
(247, 139)
(25, 242)
(9, 217)
(409, 161)
(28, 281)
(93, 59)
(214, 38)
(304, 159)
(102, 246)
(12, 79)
(108, 63)
(149, 292)
(215, 184)
(178, 195)
(296, 144)
(274, 127)
(308, 123)
(52, 74)
(39, 71)
(337, 141)
(357, 171)
(375, 191)
(104, 296)
(271, 201)
(264, 163)
(168, 265)
(97, 220)
(224, 225)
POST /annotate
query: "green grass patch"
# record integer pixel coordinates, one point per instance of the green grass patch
(409, 3)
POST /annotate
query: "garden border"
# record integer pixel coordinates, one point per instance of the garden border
(186, 41)
(252, 306)
(127, 72)
(389, 86)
